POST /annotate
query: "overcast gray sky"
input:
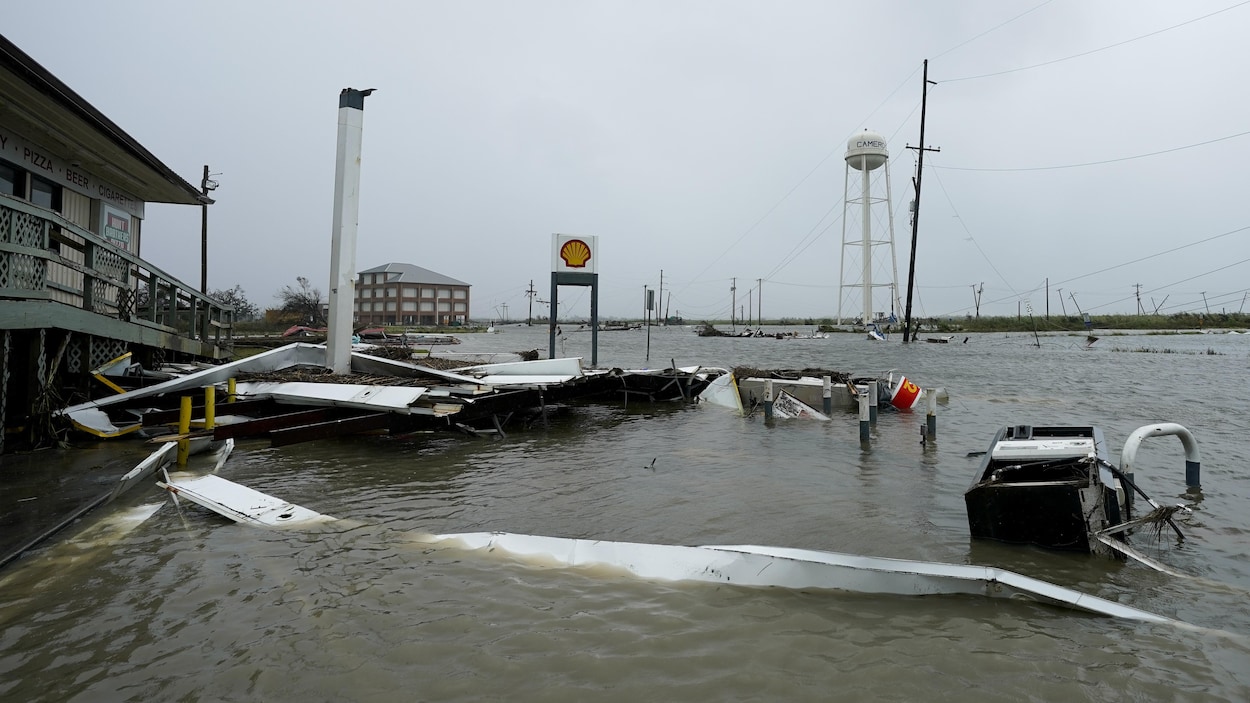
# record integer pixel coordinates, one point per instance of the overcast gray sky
(705, 139)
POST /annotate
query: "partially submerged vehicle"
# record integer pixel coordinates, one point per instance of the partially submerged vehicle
(1055, 487)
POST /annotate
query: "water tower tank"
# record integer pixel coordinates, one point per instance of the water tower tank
(866, 151)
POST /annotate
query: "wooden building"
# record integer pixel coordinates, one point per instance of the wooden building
(403, 294)
(75, 291)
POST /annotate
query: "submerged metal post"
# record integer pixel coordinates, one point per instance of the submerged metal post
(343, 234)
(768, 399)
(827, 394)
(184, 427)
(210, 407)
(872, 401)
(931, 416)
(863, 417)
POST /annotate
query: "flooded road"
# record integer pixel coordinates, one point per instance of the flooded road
(183, 605)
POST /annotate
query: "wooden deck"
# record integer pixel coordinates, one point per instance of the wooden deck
(71, 301)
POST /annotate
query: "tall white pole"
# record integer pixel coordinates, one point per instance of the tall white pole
(343, 237)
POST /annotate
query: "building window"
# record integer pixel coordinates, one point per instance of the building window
(444, 293)
(390, 292)
(377, 307)
(460, 294)
(460, 307)
(444, 306)
(409, 292)
(12, 181)
(427, 292)
(45, 193)
(390, 307)
(427, 306)
(409, 306)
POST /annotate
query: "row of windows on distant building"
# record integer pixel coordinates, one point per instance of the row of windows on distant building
(411, 306)
(411, 292)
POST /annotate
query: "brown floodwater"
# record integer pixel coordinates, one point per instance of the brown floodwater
(183, 605)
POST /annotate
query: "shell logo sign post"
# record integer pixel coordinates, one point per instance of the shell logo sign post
(574, 254)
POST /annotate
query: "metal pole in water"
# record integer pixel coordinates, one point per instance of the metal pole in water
(827, 395)
(184, 426)
(931, 416)
(872, 402)
(863, 417)
(210, 407)
(768, 399)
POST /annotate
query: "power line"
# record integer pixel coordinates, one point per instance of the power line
(1095, 51)
(1099, 163)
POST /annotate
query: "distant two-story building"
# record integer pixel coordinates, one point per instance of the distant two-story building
(403, 294)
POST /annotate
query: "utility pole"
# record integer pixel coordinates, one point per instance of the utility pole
(1047, 299)
(1078, 305)
(915, 215)
(759, 301)
(205, 185)
(660, 297)
(1204, 302)
(529, 319)
(1065, 307)
(976, 298)
(1140, 311)
(733, 302)
(750, 307)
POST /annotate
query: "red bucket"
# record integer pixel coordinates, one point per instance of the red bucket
(905, 395)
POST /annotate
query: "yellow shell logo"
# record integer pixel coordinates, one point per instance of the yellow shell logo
(575, 253)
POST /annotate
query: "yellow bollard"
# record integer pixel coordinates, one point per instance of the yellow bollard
(184, 427)
(230, 390)
(210, 407)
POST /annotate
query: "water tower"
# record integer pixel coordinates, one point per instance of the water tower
(862, 255)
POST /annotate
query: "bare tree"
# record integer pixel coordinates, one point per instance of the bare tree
(303, 301)
(244, 309)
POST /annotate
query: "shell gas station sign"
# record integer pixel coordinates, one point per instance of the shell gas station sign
(572, 253)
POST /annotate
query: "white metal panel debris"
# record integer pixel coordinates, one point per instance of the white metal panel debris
(744, 565)
(723, 392)
(750, 565)
(397, 399)
(240, 503)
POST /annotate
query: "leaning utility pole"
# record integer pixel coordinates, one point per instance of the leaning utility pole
(1079, 311)
(915, 215)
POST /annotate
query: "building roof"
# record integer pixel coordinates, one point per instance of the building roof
(38, 103)
(415, 274)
